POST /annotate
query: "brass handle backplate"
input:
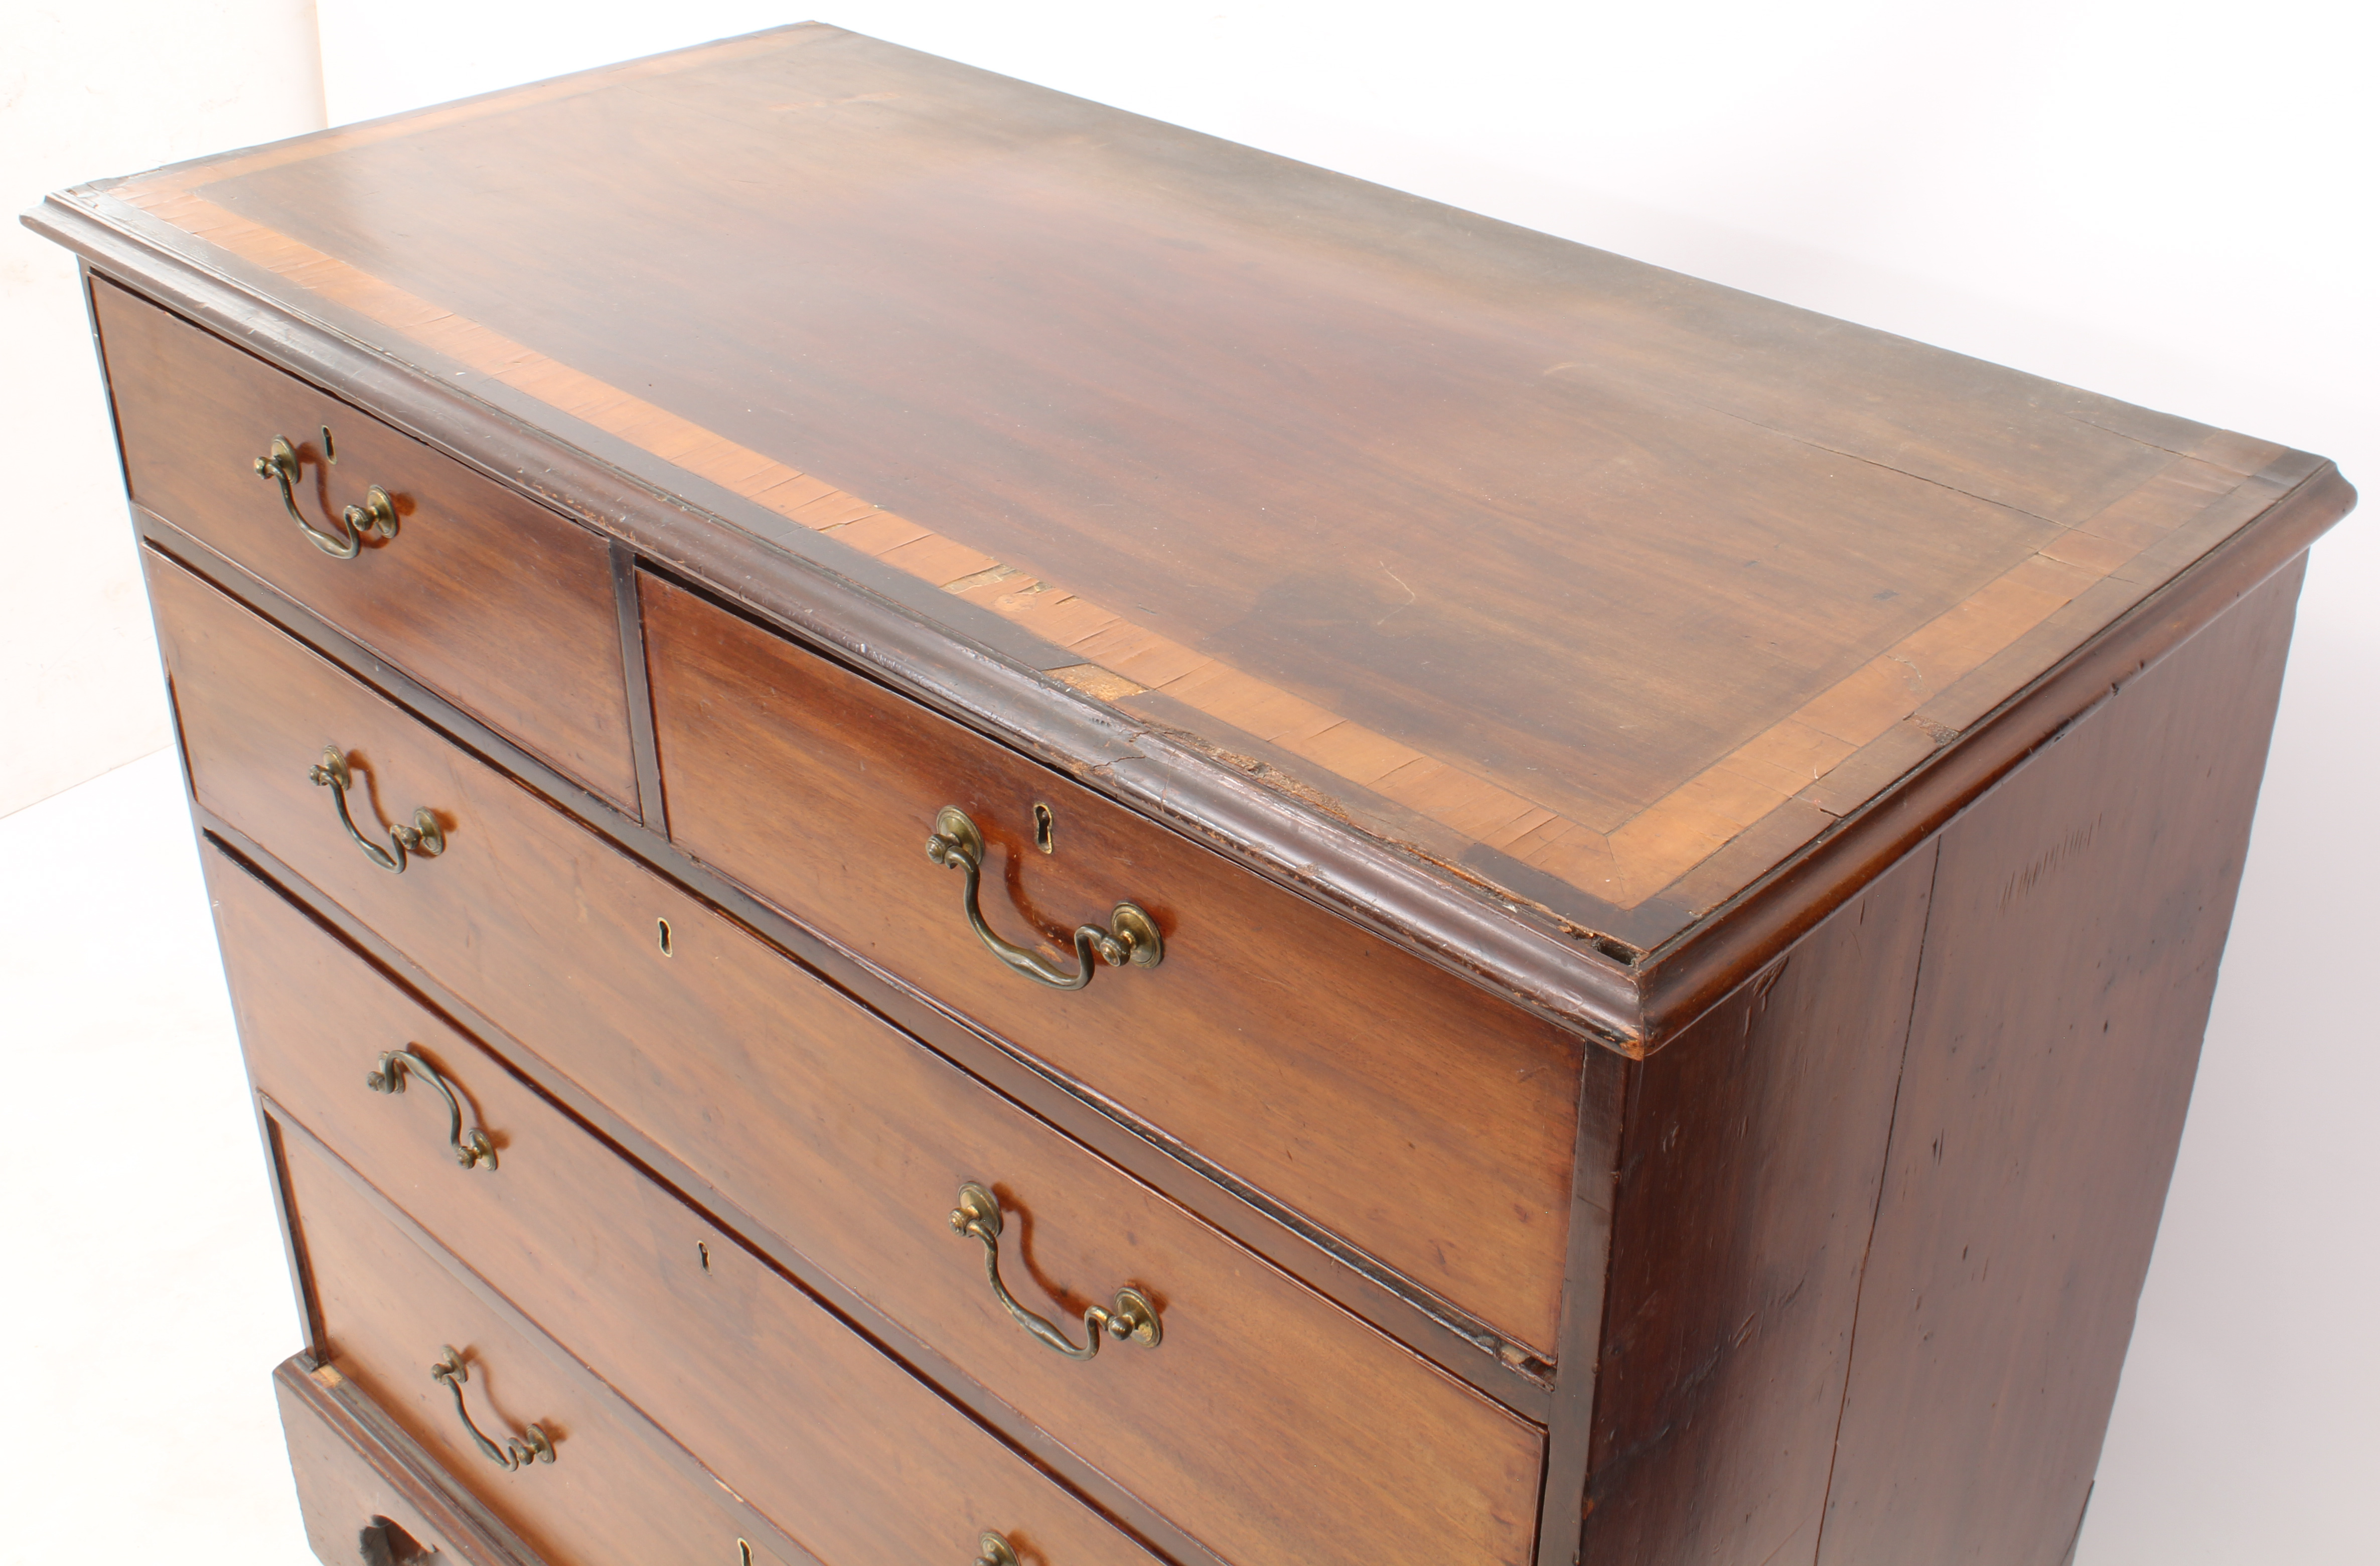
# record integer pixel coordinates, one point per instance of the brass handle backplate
(1129, 935)
(1131, 1317)
(472, 1149)
(991, 1549)
(376, 516)
(530, 1446)
(424, 839)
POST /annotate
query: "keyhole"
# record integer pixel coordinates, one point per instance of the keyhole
(662, 934)
(706, 1254)
(1045, 827)
(330, 452)
(743, 1553)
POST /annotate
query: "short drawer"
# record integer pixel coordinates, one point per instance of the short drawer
(842, 1135)
(389, 1312)
(1386, 1100)
(499, 605)
(839, 1446)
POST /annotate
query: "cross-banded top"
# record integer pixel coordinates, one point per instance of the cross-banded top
(1601, 587)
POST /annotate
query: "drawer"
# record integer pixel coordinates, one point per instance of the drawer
(799, 1415)
(1389, 1102)
(389, 1312)
(503, 607)
(842, 1135)
(368, 1493)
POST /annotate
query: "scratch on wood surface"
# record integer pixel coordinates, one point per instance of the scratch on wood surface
(1872, 462)
(1411, 598)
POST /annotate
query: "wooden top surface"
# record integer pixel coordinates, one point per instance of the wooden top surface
(1592, 588)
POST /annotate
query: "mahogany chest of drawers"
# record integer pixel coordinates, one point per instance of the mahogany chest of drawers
(952, 828)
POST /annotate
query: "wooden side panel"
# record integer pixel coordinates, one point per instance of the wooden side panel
(1267, 1424)
(2079, 915)
(1747, 1183)
(497, 602)
(1388, 1101)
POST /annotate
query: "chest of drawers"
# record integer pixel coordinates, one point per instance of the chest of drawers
(951, 828)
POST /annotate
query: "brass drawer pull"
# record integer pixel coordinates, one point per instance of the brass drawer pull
(1132, 1317)
(377, 515)
(518, 1451)
(991, 1549)
(424, 838)
(1130, 936)
(472, 1151)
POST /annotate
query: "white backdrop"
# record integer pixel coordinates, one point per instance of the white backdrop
(141, 1298)
(87, 90)
(2167, 202)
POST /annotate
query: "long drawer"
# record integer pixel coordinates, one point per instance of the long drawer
(390, 1315)
(840, 1134)
(1390, 1101)
(505, 608)
(798, 1415)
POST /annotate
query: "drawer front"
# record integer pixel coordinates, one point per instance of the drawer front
(1389, 1102)
(366, 1492)
(499, 605)
(796, 1412)
(389, 1311)
(840, 1134)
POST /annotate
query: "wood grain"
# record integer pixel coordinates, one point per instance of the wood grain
(2079, 914)
(1296, 1052)
(1622, 861)
(497, 603)
(356, 1469)
(551, 971)
(1337, 391)
(852, 1142)
(1754, 927)
(1748, 1182)
(1240, 803)
(796, 1414)
(390, 1311)
(1594, 634)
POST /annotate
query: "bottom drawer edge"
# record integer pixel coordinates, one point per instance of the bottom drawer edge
(367, 1490)
(610, 1488)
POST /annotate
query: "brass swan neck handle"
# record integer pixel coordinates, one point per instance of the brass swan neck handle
(531, 1445)
(424, 839)
(472, 1149)
(1129, 935)
(376, 516)
(1130, 1319)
